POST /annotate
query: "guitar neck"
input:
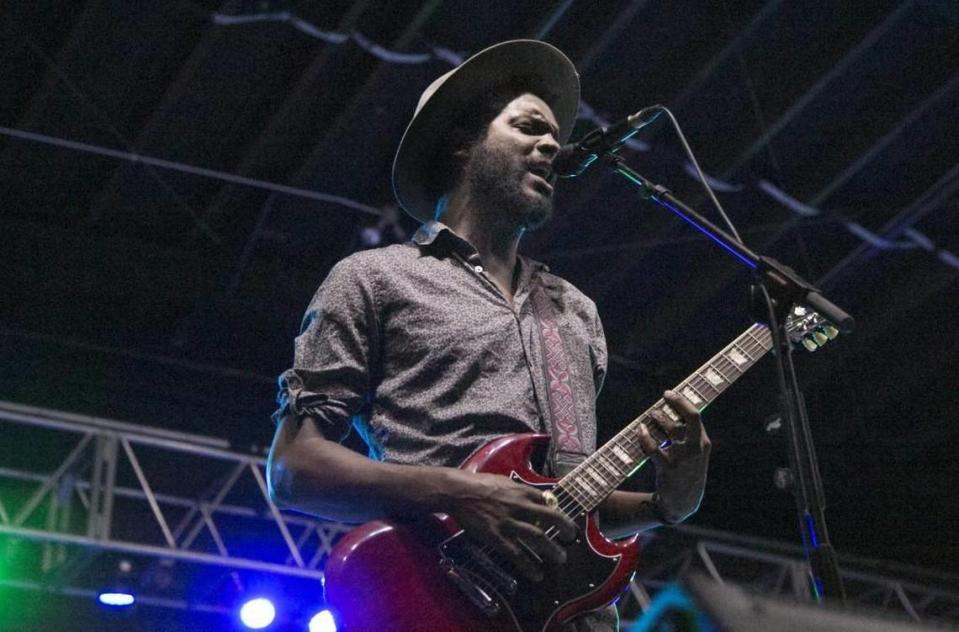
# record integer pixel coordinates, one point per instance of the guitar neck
(603, 471)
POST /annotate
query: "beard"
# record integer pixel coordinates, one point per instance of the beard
(497, 185)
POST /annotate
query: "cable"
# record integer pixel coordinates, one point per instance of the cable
(191, 169)
(699, 172)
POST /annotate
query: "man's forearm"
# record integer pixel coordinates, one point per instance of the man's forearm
(321, 477)
(626, 513)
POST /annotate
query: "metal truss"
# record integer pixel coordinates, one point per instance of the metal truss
(776, 569)
(82, 490)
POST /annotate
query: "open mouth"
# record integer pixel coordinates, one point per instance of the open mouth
(541, 178)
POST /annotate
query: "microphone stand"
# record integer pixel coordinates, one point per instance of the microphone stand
(782, 288)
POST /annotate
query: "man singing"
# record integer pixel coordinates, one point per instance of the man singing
(433, 348)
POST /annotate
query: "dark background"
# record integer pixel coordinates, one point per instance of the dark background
(171, 299)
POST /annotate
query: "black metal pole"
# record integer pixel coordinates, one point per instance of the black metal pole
(782, 288)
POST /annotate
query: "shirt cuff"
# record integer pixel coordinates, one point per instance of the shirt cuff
(294, 400)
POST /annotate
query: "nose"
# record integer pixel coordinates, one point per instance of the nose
(548, 145)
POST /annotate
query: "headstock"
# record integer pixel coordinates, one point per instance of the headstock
(806, 327)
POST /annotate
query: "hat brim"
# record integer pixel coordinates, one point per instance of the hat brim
(487, 68)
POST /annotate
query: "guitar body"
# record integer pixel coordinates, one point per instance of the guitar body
(387, 576)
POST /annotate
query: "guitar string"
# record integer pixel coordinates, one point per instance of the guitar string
(746, 343)
(748, 347)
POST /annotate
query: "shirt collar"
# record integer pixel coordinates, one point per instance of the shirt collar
(436, 232)
(429, 231)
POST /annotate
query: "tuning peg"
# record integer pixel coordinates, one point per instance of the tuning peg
(830, 331)
(820, 338)
(809, 344)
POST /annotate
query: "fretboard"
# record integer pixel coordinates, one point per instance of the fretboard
(603, 471)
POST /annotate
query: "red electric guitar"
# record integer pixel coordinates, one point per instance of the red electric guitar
(429, 576)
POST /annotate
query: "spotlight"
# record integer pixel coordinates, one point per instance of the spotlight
(116, 599)
(257, 613)
(118, 593)
(323, 621)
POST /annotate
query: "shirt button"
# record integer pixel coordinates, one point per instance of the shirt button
(479, 269)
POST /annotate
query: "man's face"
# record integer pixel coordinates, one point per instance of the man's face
(509, 169)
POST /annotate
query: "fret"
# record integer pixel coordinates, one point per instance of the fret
(755, 341)
(623, 455)
(750, 348)
(624, 441)
(590, 492)
(633, 440)
(729, 361)
(764, 338)
(690, 394)
(598, 478)
(669, 412)
(746, 341)
(758, 337)
(739, 356)
(610, 465)
(715, 366)
(636, 449)
(655, 431)
(703, 386)
(581, 497)
(577, 488)
(729, 364)
(716, 379)
(696, 389)
(602, 468)
(562, 489)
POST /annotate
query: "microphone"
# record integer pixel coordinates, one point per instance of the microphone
(573, 158)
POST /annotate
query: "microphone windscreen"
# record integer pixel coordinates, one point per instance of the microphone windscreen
(571, 160)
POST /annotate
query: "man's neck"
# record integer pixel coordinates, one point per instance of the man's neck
(496, 242)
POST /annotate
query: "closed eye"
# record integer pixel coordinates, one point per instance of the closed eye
(535, 128)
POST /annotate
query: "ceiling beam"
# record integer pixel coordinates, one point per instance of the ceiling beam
(230, 281)
(204, 48)
(613, 31)
(288, 111)
(544, 29)
(905, 123)
(733, 47)
(930, 200)
(835, 71)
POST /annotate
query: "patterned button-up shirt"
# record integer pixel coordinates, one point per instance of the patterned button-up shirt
(417, 349)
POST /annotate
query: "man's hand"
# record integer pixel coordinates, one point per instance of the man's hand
(511, 517)
(680, 467)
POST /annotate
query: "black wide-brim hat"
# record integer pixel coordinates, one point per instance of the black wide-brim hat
(443, 100)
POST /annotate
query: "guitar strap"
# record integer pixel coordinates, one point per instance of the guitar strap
(566, 447)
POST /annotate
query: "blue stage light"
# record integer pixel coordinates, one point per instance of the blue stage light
(323, 621)
(257, 613)
(116, 599)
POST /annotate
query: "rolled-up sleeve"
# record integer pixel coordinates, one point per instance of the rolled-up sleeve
(330, 377)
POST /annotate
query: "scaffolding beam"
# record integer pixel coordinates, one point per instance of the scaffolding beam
(99, 491)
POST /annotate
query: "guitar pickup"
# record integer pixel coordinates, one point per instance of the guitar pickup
(482, 599)
(501, 577)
